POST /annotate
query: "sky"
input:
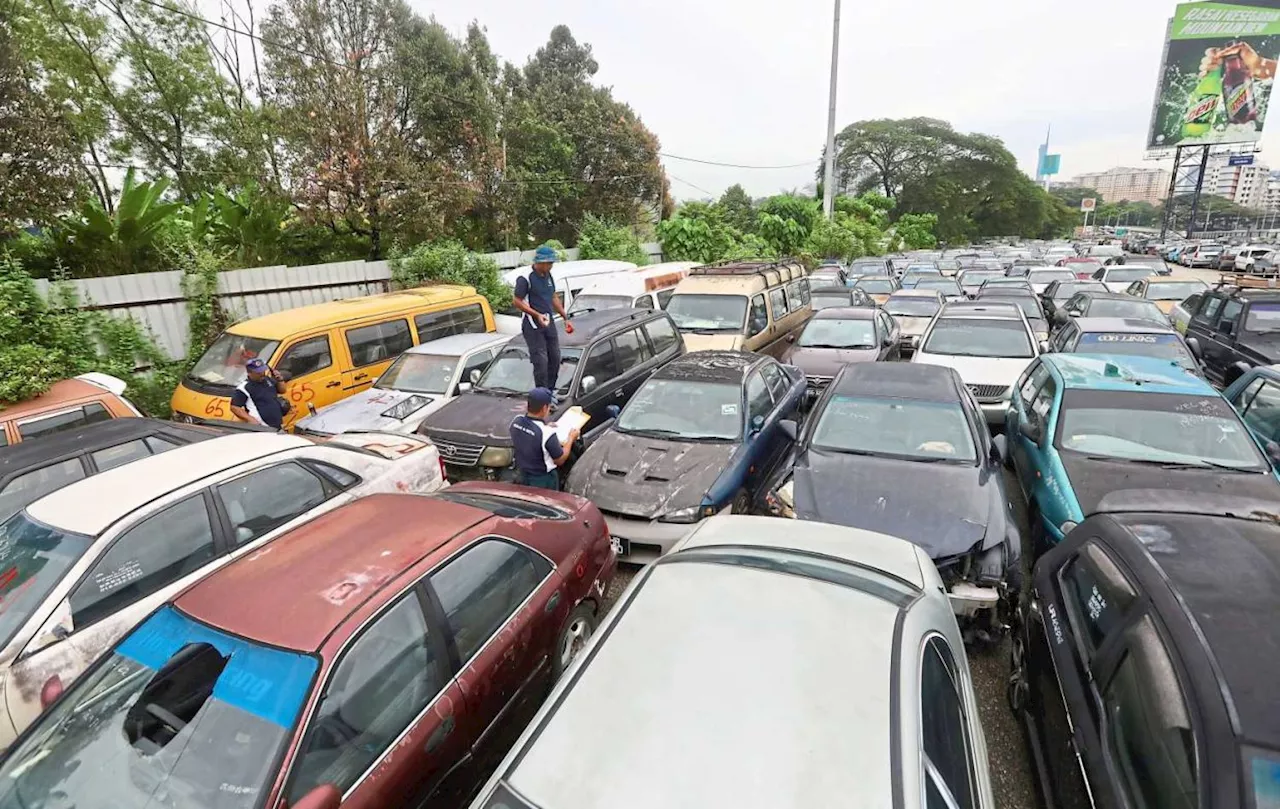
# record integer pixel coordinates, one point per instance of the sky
(746, 81)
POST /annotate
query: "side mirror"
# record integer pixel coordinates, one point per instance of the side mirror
(790, 429)
(999, 449)
(55, 630)
(1030, 431)
(1193, 345)
(464, 387)
(613, 410)
(887, 340)
(311, 408)
(757, 424)
(588, 384)
(325, 796)
(474, 376)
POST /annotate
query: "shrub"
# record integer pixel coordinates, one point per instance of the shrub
(600, 238)
(450, 263)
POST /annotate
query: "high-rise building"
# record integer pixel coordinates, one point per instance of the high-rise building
(1243, 185)
(1134, 185)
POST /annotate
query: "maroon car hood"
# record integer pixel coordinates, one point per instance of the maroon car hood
(827, 361)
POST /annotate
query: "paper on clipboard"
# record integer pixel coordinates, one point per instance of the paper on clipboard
(572, 418)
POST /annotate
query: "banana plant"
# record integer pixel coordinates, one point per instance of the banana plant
(119, 239)
(249, 224)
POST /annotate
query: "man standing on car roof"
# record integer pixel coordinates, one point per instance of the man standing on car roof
(536, 298)
(537, 448)
(256, 399)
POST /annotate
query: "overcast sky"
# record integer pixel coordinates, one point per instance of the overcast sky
(745, 81)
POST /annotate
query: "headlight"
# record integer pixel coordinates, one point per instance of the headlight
(496, 456)
(688, 515)
(405, 408)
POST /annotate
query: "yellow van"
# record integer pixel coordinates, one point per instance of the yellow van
(326, 351)
(742, 305)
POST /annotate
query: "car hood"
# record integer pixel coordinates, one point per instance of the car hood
(712, 342)
(980, 370)
(827, 361)
(648, 477)
(1092, 480)
(912, 326)
(943, 508)
(477, 418)
(363, 411)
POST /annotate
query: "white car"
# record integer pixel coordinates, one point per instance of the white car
(988, 344)
(1246, 256)
(763, 667)
(421, 381)
(1041, 277)
(83, 565)
(1118, 277)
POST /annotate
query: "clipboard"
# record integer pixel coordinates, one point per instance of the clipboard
(574, 417)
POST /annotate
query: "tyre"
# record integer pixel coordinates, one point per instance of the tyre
(741, 503)
(577, 630)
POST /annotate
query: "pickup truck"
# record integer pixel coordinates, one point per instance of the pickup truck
(1238, 328)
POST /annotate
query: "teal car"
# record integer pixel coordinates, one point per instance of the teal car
(1256, 395)
(1083, 427)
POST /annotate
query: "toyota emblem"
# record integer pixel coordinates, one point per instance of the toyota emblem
(447, 449)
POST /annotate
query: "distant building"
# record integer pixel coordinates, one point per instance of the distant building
(1271, 202)
(1244, 185)
(1134, 185)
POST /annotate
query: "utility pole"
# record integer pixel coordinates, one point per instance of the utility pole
(829, 172)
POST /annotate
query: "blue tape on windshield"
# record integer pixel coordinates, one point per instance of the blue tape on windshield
(269, 683)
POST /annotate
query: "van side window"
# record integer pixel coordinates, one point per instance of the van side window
(601, 362)
(643, 302)
(664, 296)
(661, 333)
(463, 320)
(1229, 314)
(1209, 308)
(778, 302)
(798, 294)
(379, 342)
(306, 357)
(759, 317)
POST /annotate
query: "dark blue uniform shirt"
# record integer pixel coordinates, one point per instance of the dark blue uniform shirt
(537, 291)
(266, 402)
(535, 445)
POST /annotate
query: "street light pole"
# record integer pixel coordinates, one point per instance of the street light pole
(829, 171)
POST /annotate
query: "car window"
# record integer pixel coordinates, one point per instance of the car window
(463, 320)
(759, 317)
(261, 501)
(306, 357)
(158, 444)
(1148, 728)
(1038, 413)
(1209, 308)
(1096, 593)
(778, 302)
(759, 401)
(1230, 312)
(1077, 304)
(797, 297)
(775, 379)
(476, 362)
(91, 413)
(631, 348)
(1242, 398)
(381, 341)
(1192, 302)
(944, 726)
(643, 302)
(31, 486)
(148, 557)
(1262, 412)
(664, 296)
(480, 589)
(383, 680)
(601, 362)
(119, 455)
(1030, 383)
(661, 334)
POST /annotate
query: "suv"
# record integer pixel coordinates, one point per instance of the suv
(741, 305)
(607, 358)
(1236, 326)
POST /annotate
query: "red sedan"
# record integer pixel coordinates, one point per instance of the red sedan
(384, 654)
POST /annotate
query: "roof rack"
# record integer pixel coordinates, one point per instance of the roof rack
(1269, 280)
(743, 267)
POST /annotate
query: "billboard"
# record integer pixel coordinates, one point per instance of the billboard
(1219, 67)
(1050, 164)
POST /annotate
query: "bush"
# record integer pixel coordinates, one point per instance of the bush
(451, 263)
(600, 238)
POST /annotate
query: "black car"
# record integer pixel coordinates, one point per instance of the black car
(829, 297)
(904, 449)
(607, 358)
(32, 469)
(1238, 328)
(1144, 661)
(1090, 303)
(1059, 292)
(702, 435)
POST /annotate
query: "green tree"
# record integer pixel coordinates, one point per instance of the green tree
(697, 232)
(785, 221)
(885, 153)
(914, 231)
(248, 227)
(600, 238)
(450, 262)
(738, 209)
(124, 240)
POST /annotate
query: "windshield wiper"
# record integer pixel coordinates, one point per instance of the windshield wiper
(1201, 464)
(498, 389)
(651, 432)
(830, 345)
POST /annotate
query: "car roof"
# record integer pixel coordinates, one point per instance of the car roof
(91, 505)
(295, 591)
(573, 269)
(60, 394)
(587, 326)
(833, 289)
(1126, 373)
(710, 366)
(93, 437)
(1122, 325)
(846, 313)
(458, 344)
(915, 293)
(976, 310)
(1097, 294)
(899, 380)
(279, 325)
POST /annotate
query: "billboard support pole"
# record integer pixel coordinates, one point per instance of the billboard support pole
(1167, 219)
(1195, 200)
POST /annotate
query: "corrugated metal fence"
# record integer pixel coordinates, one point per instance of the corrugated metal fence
(155, 299)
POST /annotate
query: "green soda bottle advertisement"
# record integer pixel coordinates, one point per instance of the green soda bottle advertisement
(1204, 106)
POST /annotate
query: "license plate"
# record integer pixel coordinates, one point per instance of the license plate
(621, 547)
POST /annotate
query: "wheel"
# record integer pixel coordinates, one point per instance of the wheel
(741, 503)
(575, 633)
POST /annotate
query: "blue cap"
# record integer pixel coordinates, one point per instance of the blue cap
(541, 397)
(544, 255)
(257, 365)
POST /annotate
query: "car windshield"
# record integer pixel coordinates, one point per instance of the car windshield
(833, 333)
(419, 373)
(1065, 291)
(223, 362)
(708, 312)
(1016, 283)
(979, 337)
(512, 372)
(595, 303)
(1174, 290)
(876, 286)
(1263, 318)
(1141, 309)
(179, 715)
(33, 557)
(911, 306)
(869, 268)
(828, 278)
(1115, 274)
(1029, 305)
(1161, 346)
(900, 428)
(1105, 250)
(829, 300)
(1157, 427)
(974, 278)
(946, 286)
(1049, 276)
(681, 408)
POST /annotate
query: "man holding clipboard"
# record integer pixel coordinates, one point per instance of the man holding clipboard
(537, 445)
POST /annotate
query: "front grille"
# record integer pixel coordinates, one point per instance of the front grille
(985, 392)
(815, 381)
(459, 454)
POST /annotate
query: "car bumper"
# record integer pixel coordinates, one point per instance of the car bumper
(970, 600)
(643, 541)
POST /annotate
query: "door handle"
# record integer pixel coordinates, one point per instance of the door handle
(552, 602)
(442, 732)
(335, 383)
(360, 376)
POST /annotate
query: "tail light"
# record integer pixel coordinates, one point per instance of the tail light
(50, 691)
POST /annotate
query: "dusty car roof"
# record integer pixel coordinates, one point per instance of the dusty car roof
(60, 393)
(899, 380)
(743, 687)
(846, 313)
(456, 344)
(295, 591)
(916, 293)
(710, 366)
(91, 505)
(588, 325)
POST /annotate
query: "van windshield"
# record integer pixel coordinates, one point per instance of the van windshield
(596, 303)
(223, 362)
(33, 559)
(708, 312)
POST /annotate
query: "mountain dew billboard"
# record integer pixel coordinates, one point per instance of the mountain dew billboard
(1219, 67)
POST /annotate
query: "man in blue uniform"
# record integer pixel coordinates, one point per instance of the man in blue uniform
(536, 298)
(537, 448)
(256, 399)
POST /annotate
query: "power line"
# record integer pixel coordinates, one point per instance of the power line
(691, 185)
(735, 165)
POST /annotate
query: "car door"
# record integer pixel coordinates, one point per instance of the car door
(889, 329)
(1220, 347)
(1204, 316)
(390, 727)
(1259, 406)
(1024, 394)
(371, 349)
(313, 377)
(634, 357)
(597, 385)
(494, 596)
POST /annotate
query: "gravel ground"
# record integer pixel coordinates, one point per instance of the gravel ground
(1007, 752)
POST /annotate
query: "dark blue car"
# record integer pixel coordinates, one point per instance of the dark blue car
(701, 436)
